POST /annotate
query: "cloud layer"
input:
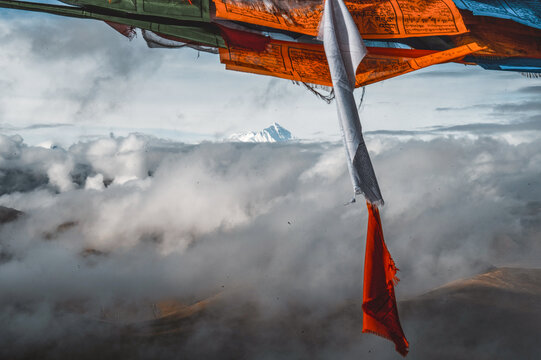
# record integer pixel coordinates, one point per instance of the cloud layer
(138, 219)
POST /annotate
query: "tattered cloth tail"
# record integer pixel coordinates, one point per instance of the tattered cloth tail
(126, 30)
(379, 303)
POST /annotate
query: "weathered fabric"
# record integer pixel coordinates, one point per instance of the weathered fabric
(527, 12)
(344, 49)
(380, 313)
(126, 30)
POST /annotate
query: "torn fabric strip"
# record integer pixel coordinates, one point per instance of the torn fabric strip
(380, 314)
(126, 30)
(344, 49)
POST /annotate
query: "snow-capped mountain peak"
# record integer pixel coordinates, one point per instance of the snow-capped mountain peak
(274, 133)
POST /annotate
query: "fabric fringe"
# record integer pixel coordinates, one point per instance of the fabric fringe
(313, 88)
(531, 75)
(361, 100)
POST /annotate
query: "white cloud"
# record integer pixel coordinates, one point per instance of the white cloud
(266, 220)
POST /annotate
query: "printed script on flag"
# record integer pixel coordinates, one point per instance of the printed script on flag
(307, 62)
(376, 19)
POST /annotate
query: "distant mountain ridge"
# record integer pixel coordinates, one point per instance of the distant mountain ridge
(272, 134)
(495, 315)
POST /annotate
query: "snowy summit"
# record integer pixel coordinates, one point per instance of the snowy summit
(274, 133)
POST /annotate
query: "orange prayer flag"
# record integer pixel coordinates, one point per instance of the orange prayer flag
(307, 62)
(380, 314)
(375, 19)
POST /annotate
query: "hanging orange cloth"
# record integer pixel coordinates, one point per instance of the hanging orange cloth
(380, 315)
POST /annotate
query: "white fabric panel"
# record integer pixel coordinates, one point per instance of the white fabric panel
(345, 50)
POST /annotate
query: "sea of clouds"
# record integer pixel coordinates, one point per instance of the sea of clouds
(142, 219)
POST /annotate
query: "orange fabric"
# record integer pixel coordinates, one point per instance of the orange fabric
(380, 314)
(376, 68)
(376, 19)
(307, 62)
(284, 59)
